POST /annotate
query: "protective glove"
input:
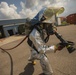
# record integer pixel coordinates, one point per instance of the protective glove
(59, 47)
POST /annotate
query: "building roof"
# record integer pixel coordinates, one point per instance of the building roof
(12, 21)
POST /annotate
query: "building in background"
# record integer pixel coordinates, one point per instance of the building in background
(10, 27)
(1, 32)
(61, 21)
(71, 18)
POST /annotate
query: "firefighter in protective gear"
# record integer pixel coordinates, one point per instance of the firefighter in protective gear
(37, 40)
(39, 49)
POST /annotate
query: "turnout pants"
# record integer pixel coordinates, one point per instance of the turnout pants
(46, 67)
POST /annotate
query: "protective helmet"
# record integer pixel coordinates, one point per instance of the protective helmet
(50, 14)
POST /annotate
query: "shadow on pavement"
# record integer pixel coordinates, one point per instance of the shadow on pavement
(28, 70)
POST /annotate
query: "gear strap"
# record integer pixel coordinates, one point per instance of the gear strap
(30, 43)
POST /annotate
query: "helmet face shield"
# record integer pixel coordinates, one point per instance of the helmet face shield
(50, 12)
(60, 11)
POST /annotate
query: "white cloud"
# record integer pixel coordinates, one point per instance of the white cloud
(28, 13)
(31, 7)
(8, 11)
(69, 6)
(13, 7)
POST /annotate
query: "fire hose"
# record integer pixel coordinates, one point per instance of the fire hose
(11, 60)
(16, 45)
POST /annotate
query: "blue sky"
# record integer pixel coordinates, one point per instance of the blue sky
(15, 2)
(15, 9)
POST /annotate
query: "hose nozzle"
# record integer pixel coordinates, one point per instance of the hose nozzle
(70, 48)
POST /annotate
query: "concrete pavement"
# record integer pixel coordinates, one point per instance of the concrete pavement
(10, 39)
(62, 62)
